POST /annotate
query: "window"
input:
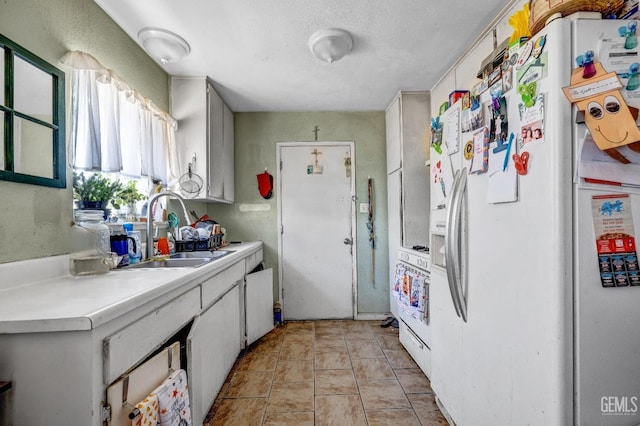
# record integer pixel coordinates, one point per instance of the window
(32, 140)
(115, 129)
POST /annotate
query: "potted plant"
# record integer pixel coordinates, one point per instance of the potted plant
(95, 192)
(128, 196)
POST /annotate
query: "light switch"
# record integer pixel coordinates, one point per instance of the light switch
(364, 207)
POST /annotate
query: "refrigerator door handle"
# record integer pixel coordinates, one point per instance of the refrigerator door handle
(458, 266)
(450, 244)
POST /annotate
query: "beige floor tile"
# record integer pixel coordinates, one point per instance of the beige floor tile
(364, 349)
(333, 324)
(372, 368)
(326, 373)
(382, 394)
(413, 380)
(299, 325)
(332, 360)
(351, 336)
(330, 343)
(389, 342)
(339, 410)
(403, 417)
(298, 336)
(329, 331)
(400, 359)
(424, 404)
(296, 350)
(270, 342)
(384, 331)
(358, 326)
(286, 397)
(257, 361)
(335, 382)
(244, 411)
(250, 384)
(298, 418)
(295, 370)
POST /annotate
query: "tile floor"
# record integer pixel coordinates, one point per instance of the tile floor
(326, 373)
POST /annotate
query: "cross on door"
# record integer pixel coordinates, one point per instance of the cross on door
(315, 153)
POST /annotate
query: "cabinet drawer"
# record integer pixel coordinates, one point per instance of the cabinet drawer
(418, 350)
(217, 285)
(130, 345)
(253, 260)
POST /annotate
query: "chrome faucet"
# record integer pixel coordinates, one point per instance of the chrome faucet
(150, 219)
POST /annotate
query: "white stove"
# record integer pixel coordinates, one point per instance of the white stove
(410, 293)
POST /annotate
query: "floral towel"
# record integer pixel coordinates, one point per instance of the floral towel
(173, 400)
(149, 414)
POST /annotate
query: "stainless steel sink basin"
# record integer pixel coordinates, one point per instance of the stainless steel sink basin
(201, 254)
(191, 259)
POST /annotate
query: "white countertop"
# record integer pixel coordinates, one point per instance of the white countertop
(32, 302)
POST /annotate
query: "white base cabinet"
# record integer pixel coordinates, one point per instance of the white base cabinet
(212, 348)
(259, 305)
(61, 377)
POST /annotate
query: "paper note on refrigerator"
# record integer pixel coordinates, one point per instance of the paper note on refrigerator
(502, 185)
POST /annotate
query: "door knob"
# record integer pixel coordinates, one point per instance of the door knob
(348, 241)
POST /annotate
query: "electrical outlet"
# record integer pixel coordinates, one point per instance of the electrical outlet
(364, 207)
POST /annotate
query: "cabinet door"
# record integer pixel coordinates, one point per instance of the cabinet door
(228, 166)
(215, 125)
(394, 143)
(212, 348)
(259, 304)
(394, 219)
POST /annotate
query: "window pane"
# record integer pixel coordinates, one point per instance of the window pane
(32, 148)
(2, 76)
(2, 141)
(33, 90)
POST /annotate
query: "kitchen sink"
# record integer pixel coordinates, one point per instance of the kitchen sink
(216, 254)
(191, 259)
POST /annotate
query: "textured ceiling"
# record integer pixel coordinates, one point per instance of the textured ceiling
(256, 50)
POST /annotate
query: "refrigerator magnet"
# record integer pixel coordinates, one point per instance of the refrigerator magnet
(607, 115)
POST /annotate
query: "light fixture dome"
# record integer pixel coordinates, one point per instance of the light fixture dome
(163, 45)
(331, 44)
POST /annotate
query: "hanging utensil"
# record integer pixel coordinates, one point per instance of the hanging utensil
(370, 227)
(190, 183)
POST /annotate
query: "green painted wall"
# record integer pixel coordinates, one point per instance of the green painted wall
(256, 135)
(34, 221)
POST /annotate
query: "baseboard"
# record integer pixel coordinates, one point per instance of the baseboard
(371, 317)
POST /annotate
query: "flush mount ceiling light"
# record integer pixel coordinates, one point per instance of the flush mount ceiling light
(330, 45)
(163, 45)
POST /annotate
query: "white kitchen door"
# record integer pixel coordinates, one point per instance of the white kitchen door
(316, 218)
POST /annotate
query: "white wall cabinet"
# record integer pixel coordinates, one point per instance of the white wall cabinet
(205, 131)
(408, 130)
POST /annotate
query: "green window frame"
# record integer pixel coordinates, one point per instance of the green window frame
(10, 171)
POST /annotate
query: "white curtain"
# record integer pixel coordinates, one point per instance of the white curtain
(114, 128)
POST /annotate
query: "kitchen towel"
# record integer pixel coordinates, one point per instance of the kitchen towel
(148, 415)
(173, 400)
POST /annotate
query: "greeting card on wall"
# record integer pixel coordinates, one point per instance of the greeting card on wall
(451, 127)
(615, 240)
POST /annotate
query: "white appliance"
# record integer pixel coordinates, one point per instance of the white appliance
(526, 334)
(410, 294)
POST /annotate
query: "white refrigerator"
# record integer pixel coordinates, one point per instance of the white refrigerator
(533, 338)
